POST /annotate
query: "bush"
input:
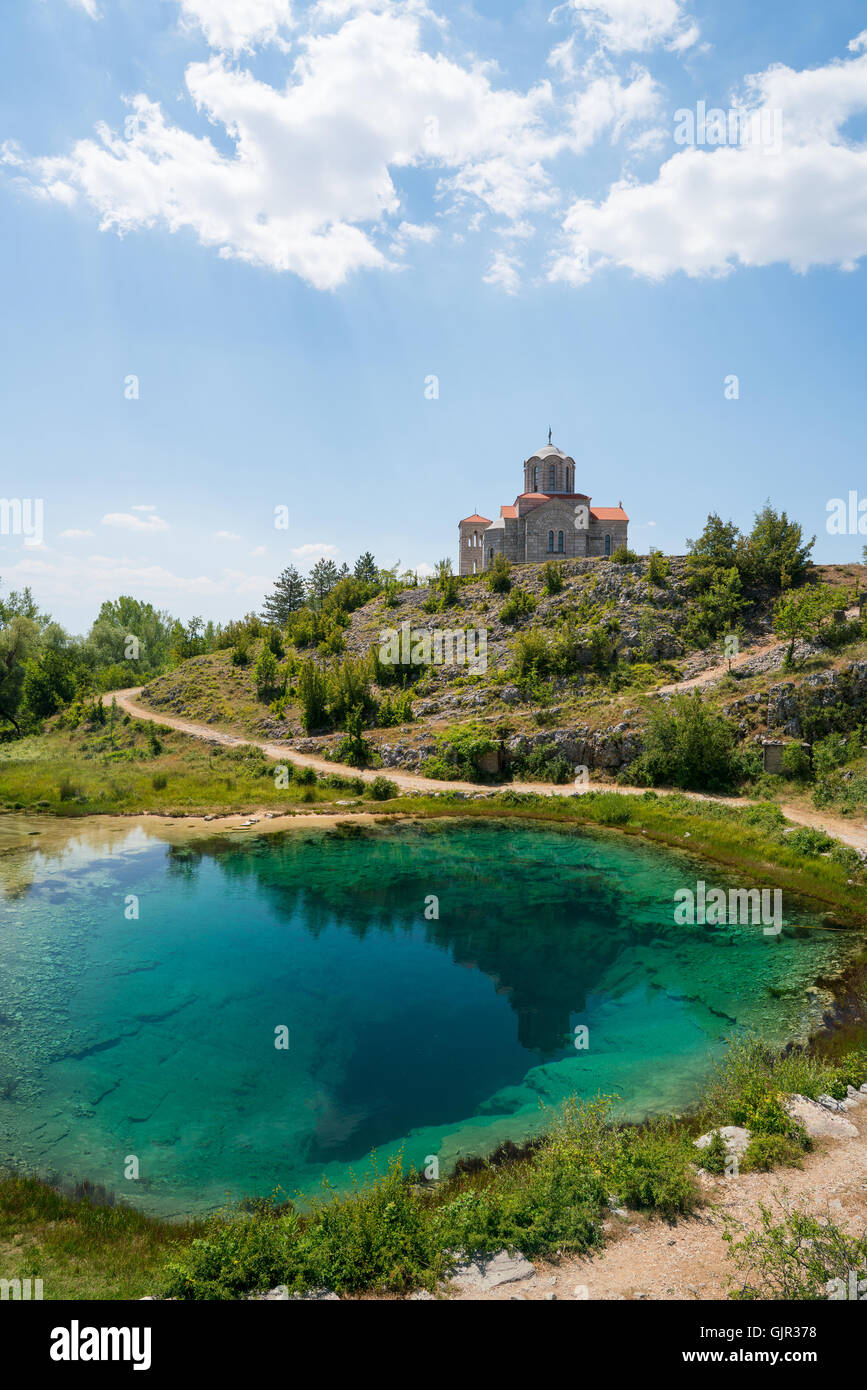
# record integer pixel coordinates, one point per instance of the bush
(552, 577)
(159, 781)
(313, 696)
(518, 605)
(499, 575)
(796, 762)
(794, 1259)
(623, 556)
(688, 745)
(657, 569)
(382, 789)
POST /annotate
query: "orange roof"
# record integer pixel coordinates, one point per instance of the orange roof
(608, 514)
(546, 496)
(485, 519)
(508, 511)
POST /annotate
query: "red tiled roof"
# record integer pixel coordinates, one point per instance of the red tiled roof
(509, 511)
(608, 514)
(485, 519)
(546, 496)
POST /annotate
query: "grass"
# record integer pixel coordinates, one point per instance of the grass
(136, 767)
(82, 1250)
(394, 1231)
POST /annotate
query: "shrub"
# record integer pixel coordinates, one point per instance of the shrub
(382, 789)
(159, 781)
(657, 569)
(687, 744)
(313, 695)
(517, 606)
(796, 762)
(623, 556)
(499, 575)
(767, 1151)
(552, 577)
(793, 1259)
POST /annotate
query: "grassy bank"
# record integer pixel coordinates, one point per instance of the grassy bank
(397, 1232)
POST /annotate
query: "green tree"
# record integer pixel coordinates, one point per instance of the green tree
(321, 580)
(19, 641)
(266, 673)
(365, 569)
(775, 552)
(716, 548)
(49, 682)
(803, 614)
(286, 597)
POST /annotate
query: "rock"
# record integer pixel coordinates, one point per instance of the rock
(735, 1138)
(281, 1294)
(477, 1276)
(818, 1121)
(421, 1295)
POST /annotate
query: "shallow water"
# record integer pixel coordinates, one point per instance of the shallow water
(155, 1037)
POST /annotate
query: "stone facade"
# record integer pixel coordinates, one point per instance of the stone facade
(549, 520)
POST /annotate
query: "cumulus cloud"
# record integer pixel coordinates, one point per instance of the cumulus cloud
(236, 25)
(315, 550)
(146, 521)
(635, 25)
(90, 8)
(308, 183)
(800, 199)
(504, 272)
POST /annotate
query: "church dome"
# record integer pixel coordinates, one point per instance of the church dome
(549, 470)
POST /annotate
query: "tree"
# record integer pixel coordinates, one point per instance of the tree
(19, 641)
(266, 673)
(322, 579)
(687, 744)
(715, 549)
(49, 682)
(775, 553)
(365, 568)
(286, 597)
(803, 615)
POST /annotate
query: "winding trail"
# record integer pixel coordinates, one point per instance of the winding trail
(845, 831)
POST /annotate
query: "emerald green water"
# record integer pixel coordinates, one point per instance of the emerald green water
(155, 1037)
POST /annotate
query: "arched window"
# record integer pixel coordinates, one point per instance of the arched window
(491, 553)
(536, 477)
(560, 542)
(552, 477)
(607, 545)
(475, 566)
(570, 484)
(550, 540)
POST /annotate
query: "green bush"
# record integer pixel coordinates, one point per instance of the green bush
(657, 569)
(623, 556)
(687, 744)
(382, 789)
(552, 577)
(499, 575)
(793, 1259)
(518, 605)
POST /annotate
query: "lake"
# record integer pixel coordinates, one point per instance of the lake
(152, 1038)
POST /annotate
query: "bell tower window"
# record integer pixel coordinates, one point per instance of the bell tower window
(552, 477)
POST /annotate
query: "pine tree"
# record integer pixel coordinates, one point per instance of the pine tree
(287, 598)
(322, 579)
(365, 568)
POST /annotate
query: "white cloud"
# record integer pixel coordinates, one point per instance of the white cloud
(89, 6)
(236, 25)
(128, 522)
(635, 25)
(73, 535)
(226, 536)
(859, 42)
(143, 507)
(308, 186)
(259, 550)
(800, 200)
(315, 550)
(503, 272)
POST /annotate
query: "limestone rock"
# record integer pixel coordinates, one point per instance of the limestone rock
(819, 1122)
(477, 1276)
(735, 1138)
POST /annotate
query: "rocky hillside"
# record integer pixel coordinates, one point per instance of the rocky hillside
(620, 642)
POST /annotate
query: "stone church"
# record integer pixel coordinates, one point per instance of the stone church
(549, 520)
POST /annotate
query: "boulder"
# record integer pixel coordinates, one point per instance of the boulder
(479, 1275)
(818, 1121)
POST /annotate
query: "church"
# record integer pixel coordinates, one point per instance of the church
(549, 520)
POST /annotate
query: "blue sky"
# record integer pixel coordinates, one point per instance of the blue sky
(282, 219)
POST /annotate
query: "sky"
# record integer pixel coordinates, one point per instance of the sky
(342, 265)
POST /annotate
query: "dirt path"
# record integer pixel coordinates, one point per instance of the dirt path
(848, 834)
(687, 1259)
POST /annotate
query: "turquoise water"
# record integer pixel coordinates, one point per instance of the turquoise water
(154, 1037)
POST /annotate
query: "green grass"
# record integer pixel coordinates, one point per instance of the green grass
(138, 767)
(79, 1249)
(394, 1232)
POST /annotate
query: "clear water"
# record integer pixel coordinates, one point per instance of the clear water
(155, 1037)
